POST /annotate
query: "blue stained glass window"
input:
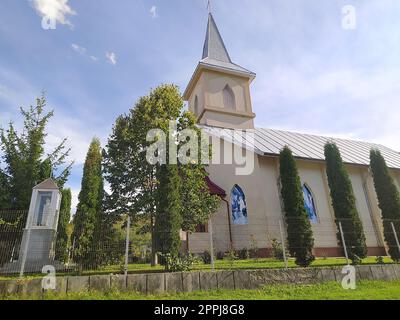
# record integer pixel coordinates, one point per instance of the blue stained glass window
(239, 206)
(309, 204)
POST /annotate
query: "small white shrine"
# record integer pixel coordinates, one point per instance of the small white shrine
(39, 238)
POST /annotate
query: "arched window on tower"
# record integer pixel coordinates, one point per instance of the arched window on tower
(196, 106)
(309, 204)
(229, 98)
(239, 206)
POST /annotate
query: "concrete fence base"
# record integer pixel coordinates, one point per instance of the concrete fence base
(159, 283)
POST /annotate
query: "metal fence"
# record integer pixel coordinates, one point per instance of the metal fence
(118, 250)
(36, 249)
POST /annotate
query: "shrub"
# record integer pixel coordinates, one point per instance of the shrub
(253, 247)
(243, 254)
(220, 255)
(231, 256)
(277, 250)
(379, 260)
(356, 260)
(206, 257)
(176, 263)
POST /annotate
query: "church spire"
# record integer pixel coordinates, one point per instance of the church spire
(215, 58)
(214, 47)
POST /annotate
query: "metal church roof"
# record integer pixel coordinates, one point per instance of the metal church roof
(269, 142)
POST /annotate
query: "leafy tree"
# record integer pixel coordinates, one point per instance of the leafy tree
(26, 163)
(5, 199)
(344, 205)
(197, 203)
(62, 228)
(299, 232)
(12, 224)
(169, 220)
(133, 180)
(389, 201)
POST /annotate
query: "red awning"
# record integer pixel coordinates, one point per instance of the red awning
(215, 189)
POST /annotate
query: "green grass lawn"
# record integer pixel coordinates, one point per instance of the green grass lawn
(366, 290)
(250, 264)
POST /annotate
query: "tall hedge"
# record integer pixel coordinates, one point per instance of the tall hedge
(168, 219)
(389, 201)
(299, 233)
(87, 219)
(344, 205)
(63, 221)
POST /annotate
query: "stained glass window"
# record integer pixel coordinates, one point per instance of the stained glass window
(310, 204)
(239, 206)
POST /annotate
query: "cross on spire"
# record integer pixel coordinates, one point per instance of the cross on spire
(209, 6)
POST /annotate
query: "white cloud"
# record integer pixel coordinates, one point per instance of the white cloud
(340, 103)
(74, 200)
(83, 51)
(112, 57)
(153, 12)
(54, 9)
(78, 48)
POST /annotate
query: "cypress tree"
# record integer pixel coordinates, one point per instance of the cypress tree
(389, 201)
(63, 221)
(344, 205)
(299, 232)
(168, 219)
(87, 219)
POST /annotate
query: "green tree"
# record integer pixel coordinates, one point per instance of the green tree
(299, 232)
(133, 180)
(389, 201)
(87, 219)
(197, 203)
(344, 205)
(169, 220)
(5, 200)
(62, 228)
(25, 161)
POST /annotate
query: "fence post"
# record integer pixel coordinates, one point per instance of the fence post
(283, 243)
(210, 231)
(27, 240)
(128, 227)
(395, 236)
(344, 242)
(28, 236)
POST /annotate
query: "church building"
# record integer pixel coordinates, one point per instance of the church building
(251, 210)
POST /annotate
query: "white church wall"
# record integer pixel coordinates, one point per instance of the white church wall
(312, 174)
(216, 82)
(268, 175)
(356, 178)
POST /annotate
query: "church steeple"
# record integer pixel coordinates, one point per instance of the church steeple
(215, 53)
(219, 90)
(214, 47)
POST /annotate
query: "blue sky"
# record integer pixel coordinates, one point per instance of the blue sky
(312, 75)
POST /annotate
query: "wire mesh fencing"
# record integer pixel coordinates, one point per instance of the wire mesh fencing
(119, 249)
(33, 248)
